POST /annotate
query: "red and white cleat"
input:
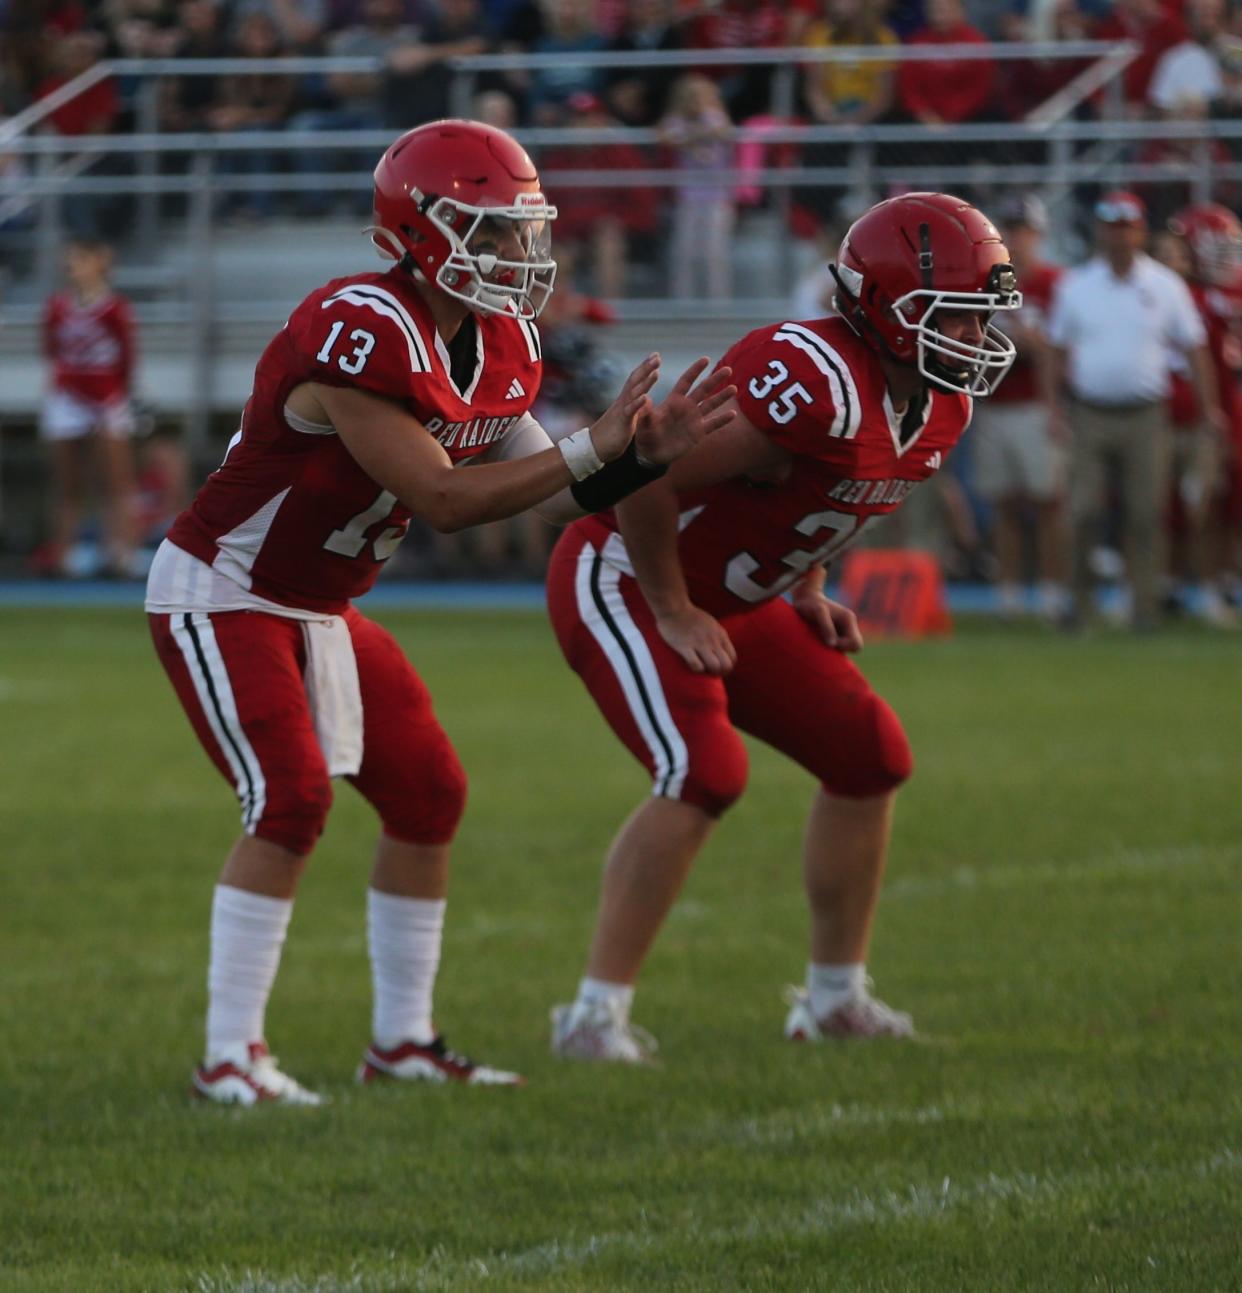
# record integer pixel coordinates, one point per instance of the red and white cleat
(598, 1031)
(432, 1062)
(861, 1016)
(248, 1075)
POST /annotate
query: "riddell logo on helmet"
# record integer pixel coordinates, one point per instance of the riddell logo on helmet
(531, 200)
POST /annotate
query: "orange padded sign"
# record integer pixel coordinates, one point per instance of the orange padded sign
(895, 593)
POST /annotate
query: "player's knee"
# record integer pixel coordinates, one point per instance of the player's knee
(430, 805)
(878, 756)
(712, 782)
(294, 815)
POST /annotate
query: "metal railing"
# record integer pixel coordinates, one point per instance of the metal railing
(787, 64)
(1047, 150)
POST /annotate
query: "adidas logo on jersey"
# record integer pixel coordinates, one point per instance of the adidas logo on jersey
(934, 461)
(516, 390)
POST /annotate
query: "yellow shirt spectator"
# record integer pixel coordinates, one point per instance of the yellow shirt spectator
(859, 91)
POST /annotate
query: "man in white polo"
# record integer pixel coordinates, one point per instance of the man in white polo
(1113, 324)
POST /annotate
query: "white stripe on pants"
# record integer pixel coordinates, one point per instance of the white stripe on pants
(602, 609)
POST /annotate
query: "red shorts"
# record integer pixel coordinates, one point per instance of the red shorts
(787, 688)
(239, 677)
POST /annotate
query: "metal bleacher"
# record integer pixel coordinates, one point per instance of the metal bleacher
(208, 294)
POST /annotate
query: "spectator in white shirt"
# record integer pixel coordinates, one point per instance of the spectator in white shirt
(1188, 78)
(1114, 323)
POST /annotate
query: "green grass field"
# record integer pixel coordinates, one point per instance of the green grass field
(1063, 918)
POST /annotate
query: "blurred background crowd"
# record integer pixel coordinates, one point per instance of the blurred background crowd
(1186, 63)
(1007, 522)
(1189, 67)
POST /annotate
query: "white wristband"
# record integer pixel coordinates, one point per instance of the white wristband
(579, 453)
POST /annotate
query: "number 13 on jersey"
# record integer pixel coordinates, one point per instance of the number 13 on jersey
(358, 361)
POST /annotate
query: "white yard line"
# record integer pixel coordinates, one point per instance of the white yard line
(792, 1126)
(1011, 874)
(915, 1201)
(918, 1202)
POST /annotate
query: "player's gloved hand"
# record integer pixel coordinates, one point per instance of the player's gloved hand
(688, 413)
(836, 625)
(614, 429)
(699, 639)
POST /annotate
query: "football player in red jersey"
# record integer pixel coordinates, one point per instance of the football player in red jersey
(364, 405)
(672, 609)
(1210, 486)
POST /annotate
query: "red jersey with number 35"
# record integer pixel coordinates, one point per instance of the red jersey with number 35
(817, 391)
(289, 514)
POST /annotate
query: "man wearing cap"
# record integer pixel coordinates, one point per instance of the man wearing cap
(1018, 457)
(1113, 324)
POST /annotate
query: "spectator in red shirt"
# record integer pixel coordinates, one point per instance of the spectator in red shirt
(93, 111)
(599, 221)
(944, 92)
(1027, 83)
(745, 24)
(88, 341)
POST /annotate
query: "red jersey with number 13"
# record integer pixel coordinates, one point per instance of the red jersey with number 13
(289, 514)
(819, 392)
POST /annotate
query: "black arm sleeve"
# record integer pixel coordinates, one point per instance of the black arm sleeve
(614, 481)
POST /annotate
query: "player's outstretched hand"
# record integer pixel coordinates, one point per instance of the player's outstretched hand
(699, 639)
(836, 625)
(688, 413)
(614, 429)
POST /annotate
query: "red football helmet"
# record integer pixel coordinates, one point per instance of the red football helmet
(914, 255)
(1214, 235)
(459, 203)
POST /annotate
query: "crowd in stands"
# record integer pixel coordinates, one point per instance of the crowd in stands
(1188, 60)
(1190, 66)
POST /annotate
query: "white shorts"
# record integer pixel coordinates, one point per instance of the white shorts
(1014, 452)
(70, 417)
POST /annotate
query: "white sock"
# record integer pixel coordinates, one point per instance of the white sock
(247, 933)
(403, 935)
(831, 986)
(619, 996)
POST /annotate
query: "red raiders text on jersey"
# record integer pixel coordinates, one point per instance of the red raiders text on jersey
(820, 393)
(289, 514)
